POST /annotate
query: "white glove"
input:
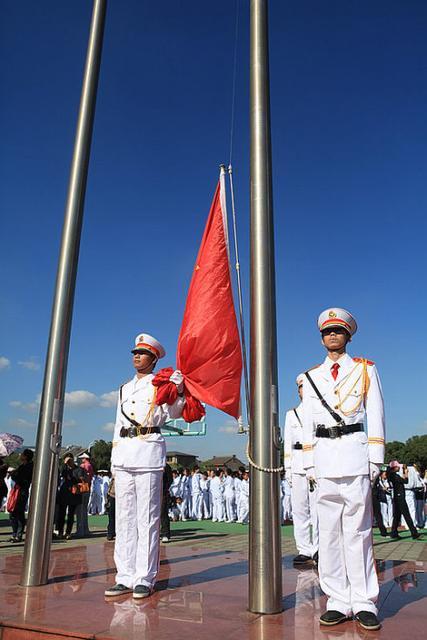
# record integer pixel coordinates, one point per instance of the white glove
(374, 471)
(289, 478)
(309, 473)
(178, 379)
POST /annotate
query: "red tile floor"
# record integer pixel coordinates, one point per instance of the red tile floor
(201, 595)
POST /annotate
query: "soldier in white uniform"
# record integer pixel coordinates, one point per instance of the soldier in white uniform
(303, 494)
(138, 458)
(338, 397)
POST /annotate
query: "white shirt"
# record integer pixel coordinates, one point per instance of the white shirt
(142, 452)
(349, 455)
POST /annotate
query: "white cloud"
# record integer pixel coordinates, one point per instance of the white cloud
(108, 400)
(229, 427)
(109, 426)
(4, 363)
(69, 423)
(31, 364)
(21, 423)
(31, 407)
(81, 399)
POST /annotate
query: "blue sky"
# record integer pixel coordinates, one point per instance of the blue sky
(348, 100)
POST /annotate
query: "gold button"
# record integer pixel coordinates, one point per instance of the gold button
(337, 406)
(336, 392)
(132, 414)
(133, 401)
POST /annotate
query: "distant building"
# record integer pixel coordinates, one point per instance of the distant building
(219, 462)
(179, 459)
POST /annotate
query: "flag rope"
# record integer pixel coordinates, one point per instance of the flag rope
(240, 296)
(258, 467)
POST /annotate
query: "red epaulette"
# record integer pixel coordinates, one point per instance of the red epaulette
(370, 362)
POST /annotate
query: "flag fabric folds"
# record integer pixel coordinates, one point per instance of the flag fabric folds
(209, 353)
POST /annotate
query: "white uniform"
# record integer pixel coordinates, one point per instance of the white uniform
(285, 491)
(186, 506)
(304, 501)
(196, 496)
(206, 498)
(217, 491)
(230, 499)
(95, 499)
(341, 465)
(410, 494)
(138, 467)
(244, 502)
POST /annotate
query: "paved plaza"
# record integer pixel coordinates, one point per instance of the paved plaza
(201, 592)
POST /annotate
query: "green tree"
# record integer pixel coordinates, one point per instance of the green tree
(395, 450)
(100, 454)
(416, 451)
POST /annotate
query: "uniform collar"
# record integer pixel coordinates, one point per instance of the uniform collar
(345, 362)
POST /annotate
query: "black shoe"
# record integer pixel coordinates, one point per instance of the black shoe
(367, 620)
(330, 618)
(395, 537)
(13, 539)
(301, 559)
(142, 591)
(110, 537)
(416, 535)
(117, 590)
(17, 539)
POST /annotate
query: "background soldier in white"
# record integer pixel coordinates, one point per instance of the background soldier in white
(304, 510)
(138, 459)
(344, 459)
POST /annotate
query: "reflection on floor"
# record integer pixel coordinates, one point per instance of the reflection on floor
(201, 594)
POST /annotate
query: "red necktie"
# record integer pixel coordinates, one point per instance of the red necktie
(334, 370)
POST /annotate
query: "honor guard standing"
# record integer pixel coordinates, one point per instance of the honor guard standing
(339, 396)
(303, 492)
(137, 460)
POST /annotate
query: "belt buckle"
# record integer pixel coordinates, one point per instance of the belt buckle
(334, 432)
(132, 432)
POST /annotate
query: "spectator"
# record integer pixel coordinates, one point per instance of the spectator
(400, 508)
(82, 509)
(111, 510)
(3, 485)
(68, 497)
(22, 477)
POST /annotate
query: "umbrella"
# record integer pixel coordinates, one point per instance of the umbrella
(8, 443)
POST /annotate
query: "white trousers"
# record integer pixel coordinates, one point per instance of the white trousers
(138, 505)
(197, 501)
(346, 560)
(230, 509)
(218, 509)
(186, 507)
(304, 513)
(410, 501)
(243, 511)
(387, 511)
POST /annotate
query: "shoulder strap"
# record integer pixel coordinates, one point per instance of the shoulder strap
(134, 422)
(297, 416)
(335, 415)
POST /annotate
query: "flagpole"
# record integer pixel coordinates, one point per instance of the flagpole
(265, 565)
(39, 532)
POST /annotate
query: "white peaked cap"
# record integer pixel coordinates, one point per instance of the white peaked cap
(84, 455)
(336, 317)
(147, 342)
(299, 379)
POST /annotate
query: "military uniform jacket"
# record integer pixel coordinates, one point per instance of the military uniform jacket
(357, 397)
(142, 452)
(294, 433)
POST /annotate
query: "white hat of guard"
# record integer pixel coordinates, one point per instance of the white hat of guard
(299, 379)
(148, 343)
(336, 317)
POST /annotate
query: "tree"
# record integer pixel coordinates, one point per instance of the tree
(416, 452)
(100, 454)
(395, 450)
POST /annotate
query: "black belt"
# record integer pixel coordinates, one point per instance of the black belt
(297, 445)
(337, 430)
(132, 432)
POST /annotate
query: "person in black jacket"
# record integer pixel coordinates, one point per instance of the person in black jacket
(22, 477)
(400, 508)
(165, 527)
(3, 485)
(68, 496)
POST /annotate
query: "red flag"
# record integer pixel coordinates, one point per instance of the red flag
(209, 353)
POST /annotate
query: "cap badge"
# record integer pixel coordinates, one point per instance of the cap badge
(332, 314)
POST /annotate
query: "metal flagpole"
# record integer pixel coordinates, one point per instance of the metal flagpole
(265, 566)
(39, 532)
